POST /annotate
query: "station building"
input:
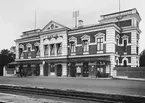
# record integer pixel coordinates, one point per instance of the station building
(57, 50)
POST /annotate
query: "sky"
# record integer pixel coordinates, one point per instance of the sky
(17, 16)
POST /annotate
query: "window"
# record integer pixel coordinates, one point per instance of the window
(52, 49)
(125, 45)
(59, 48)
(45, 49)
(21, 52)
(117, 62)
(117, 41)
(72, 47)
(29, 51)
(37, 51)
(100, 44)
(85, 46)
(125, 63)
(52, 68)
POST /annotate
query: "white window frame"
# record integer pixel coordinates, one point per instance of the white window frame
(21, 47)
(85, 38)
(117, 37)
(125, 37)
(44, 49)
(124, 60)
(37, 44)
(99, 35)
(73, 39)
(29, 46)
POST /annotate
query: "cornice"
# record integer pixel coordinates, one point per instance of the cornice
(95, 27)
(27, 39)
(53, 31)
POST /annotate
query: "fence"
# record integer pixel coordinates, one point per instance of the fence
(131, 72)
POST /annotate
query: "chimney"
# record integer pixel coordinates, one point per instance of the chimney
(80, 23)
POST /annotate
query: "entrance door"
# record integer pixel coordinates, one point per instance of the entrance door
(59, 70)
(46, 69)
(72, 70)
(85, 69)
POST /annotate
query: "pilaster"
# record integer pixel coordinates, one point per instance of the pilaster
(17, 50)
(64, 69)
(110, 40)
(41, 70)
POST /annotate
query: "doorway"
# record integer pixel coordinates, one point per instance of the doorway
(85, 69)
(59, 70)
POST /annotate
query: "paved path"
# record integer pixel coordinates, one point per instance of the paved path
(125, 87)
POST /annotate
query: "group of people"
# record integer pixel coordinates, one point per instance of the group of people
(20, 72)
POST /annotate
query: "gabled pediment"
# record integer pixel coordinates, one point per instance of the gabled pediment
(84, 37)
(52, 25)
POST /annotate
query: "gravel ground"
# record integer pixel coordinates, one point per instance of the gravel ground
(9, 98)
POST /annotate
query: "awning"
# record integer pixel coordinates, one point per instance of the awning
(31, 62)
(89, 59)
(56, 60)
(14, 63)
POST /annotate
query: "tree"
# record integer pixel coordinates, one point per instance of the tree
(5, 57)
(142, 59)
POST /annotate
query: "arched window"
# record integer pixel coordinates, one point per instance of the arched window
(125, 63)
(37, 49)
(29, 48)
(21, 51)
(117, 62)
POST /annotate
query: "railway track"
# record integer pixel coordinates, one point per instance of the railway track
(72, 94)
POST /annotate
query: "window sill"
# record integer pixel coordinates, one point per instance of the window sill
(125, 52)
(29, 57)
(21, 57)
(85, 52)
(99, 51)
(73, 54)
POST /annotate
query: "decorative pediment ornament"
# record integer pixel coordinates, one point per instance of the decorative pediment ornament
(99, 34)
(72, 38)
(21, 46)
(85, 37)
(117, 36)
(37, 44)
(29, 45)
(124, 37)
(52, 25)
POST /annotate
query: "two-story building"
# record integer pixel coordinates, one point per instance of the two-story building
(57, 50)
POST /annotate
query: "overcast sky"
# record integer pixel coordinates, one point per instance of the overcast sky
(17, 16)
